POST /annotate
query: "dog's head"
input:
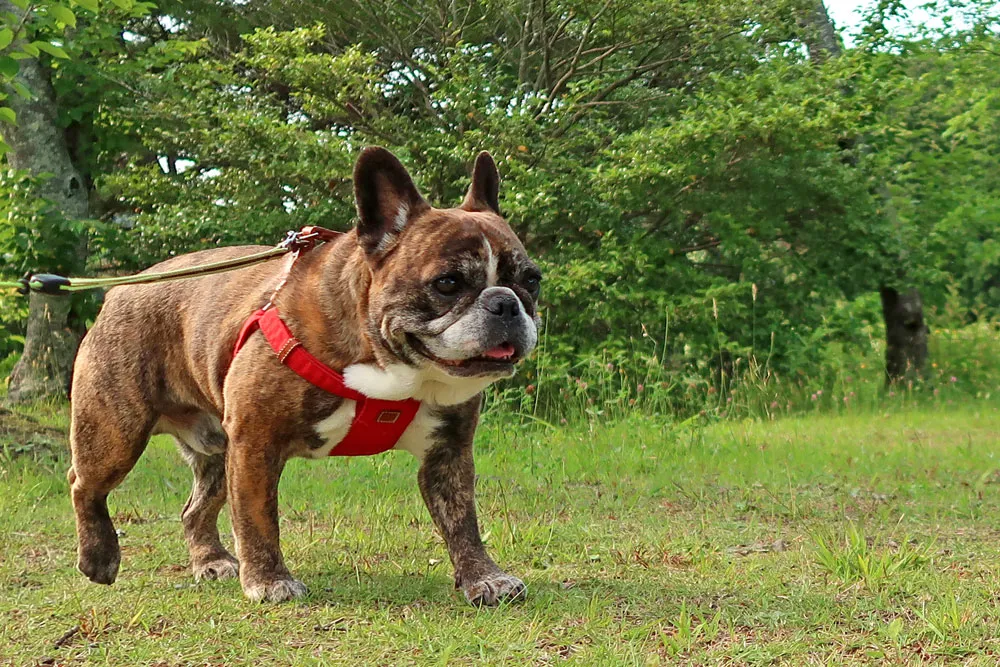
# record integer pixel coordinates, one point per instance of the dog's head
(453, 291)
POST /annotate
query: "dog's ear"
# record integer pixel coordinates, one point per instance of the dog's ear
(386, 199)
(485, 189)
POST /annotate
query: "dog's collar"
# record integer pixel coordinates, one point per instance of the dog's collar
(378, 424)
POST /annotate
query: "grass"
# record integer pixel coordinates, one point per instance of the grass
(866, 538)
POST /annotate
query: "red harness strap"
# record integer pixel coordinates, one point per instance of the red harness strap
(377, 426)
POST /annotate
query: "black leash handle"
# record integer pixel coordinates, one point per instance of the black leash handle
(44, 283)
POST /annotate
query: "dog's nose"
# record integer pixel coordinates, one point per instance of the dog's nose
(503, 304)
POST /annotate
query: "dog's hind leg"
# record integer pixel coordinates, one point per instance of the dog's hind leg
(209, 559)
(202, 443)
(107, 436)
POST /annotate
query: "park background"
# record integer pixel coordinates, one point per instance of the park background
(761, 422)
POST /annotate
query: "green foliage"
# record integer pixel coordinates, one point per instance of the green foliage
(35, 28)
(707, 201)
(944, 135)
(15, 311)
(239, 145)
(842, 378)
(34, 235)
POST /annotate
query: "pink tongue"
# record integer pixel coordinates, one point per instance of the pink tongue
(505, 351)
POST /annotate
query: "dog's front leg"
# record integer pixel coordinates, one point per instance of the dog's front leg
(447, 483)
(253, 468)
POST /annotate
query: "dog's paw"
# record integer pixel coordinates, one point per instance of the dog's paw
(494, 589)
(220, 568)
(99, 564)
(277, 590)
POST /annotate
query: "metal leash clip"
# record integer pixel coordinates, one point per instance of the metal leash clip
(302, 239)
(292, 239)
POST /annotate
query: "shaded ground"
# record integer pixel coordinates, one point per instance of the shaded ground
(38, 431)
(866, 539)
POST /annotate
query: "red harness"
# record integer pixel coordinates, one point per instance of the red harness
(378, 425)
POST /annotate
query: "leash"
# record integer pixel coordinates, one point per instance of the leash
(295, 242)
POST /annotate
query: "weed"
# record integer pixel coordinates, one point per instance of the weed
(687, 630)
(859, 559)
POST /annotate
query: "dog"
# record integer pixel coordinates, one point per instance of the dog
(416, 307)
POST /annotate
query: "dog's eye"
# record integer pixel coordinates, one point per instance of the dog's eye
(533, 283)
(448, 285)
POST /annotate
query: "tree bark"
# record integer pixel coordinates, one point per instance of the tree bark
(821, 36)
(905, 334)
(38, 145)
(45, 367)
(903, 313)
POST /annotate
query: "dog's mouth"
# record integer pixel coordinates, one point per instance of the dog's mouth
(498, 360)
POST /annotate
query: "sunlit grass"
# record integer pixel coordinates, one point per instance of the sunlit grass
(642, 541)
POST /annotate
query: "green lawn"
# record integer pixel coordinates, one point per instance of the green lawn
(820, 540)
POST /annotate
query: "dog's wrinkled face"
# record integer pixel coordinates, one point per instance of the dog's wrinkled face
(452, 290)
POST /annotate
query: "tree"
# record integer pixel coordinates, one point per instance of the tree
(37, 144)
(902, 309)
(945, 137)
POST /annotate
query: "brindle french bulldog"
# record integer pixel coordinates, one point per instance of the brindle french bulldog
(414, 303)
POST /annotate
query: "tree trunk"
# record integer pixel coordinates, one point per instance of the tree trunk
(45, 368)
(905, 331)
(820, 37)
(905, 334)
(38, 145)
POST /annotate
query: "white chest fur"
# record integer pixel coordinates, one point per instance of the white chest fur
(398, 381)
(333, 429)
(419, 435)
(416, 439)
